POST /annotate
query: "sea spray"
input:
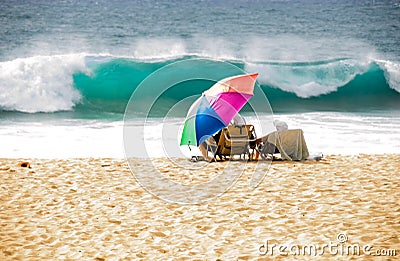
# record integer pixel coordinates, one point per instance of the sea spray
(40, 83)
(392, 73)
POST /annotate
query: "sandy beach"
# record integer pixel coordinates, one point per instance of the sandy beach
(93, 209)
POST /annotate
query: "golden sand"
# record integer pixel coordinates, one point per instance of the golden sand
(93, 209)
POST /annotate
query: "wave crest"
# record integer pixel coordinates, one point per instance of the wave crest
(40, 83)
(392, 73)
(309, 79)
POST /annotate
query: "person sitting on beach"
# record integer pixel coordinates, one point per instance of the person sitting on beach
(280, 125)
(237, 120)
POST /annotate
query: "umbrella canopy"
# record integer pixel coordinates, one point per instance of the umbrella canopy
(216, 108)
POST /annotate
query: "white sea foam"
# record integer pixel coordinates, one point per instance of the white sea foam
(309, 80)
(348, 133)
(61, 139)
(392, 73)
(325, 132)
(40, 83)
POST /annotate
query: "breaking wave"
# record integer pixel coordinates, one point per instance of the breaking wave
(74, 82)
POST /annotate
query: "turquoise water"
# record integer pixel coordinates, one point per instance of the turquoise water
(82, 60)
(290, 87)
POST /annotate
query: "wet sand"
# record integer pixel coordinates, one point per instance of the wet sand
(94, 209)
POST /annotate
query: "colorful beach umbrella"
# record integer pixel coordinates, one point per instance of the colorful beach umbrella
(216, 108)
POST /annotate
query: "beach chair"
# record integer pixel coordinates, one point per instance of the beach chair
(236, 140)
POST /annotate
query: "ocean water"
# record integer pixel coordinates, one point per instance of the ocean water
(69, 68)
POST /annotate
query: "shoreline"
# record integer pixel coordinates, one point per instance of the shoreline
(94, 208)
